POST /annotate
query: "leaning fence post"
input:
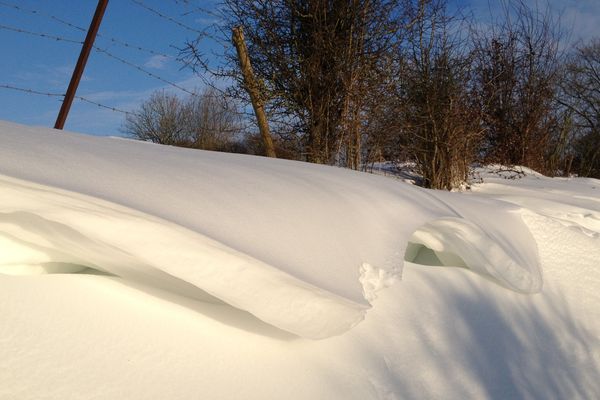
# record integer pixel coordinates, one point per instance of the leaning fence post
(80, 66)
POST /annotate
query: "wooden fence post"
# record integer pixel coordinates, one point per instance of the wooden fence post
(253, 89)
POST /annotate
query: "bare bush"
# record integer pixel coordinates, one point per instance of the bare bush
(208, 121)
(518, 64)
(160, 119)
(581, 88)
(434, 121)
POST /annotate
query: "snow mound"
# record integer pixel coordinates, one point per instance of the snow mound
(282, 240)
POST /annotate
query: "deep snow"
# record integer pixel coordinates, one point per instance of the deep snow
(283, 240)
(208, 269)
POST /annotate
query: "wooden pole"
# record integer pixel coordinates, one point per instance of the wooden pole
(80, 66)
(253, 89)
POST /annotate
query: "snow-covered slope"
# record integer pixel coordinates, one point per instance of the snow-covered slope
(131, 270)
(283, 240)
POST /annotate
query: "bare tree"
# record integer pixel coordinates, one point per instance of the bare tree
(349, 81)
(439, 122)
(311, 58)
(207, 120)
(581, 95)
(212, 120)
(518, 64)
(160, 119)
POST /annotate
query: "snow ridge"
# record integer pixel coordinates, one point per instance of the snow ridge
(34, 242)
(282, 240)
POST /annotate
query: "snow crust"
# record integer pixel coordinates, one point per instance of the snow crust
(282, 240)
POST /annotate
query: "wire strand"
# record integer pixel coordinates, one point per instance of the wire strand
(41, 13)
(40, 34)
(31, 91)
(79, 28)
(156, 12)
(50, 94)
(111, 108)
(105, 52)
(140, 69)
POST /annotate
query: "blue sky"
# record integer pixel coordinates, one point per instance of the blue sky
(46, 65)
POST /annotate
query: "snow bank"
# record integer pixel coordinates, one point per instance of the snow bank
(285, 241)
(154, 325)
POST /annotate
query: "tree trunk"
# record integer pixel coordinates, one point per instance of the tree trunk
(251, 86)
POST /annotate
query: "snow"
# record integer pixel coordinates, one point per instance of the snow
(132, 270)
(282, 240)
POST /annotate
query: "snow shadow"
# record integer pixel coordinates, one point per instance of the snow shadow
(507, 345)
(418, 253)
(460, 337)
(205, 305)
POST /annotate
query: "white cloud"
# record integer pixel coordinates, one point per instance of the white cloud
(47, 76)
(157, 62)
(580, 17)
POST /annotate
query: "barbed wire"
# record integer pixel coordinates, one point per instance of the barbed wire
(79, 28)
(111, 108)
(40, 34)
(191, 11)
(136, 47)
(171, 19)
(50, 94)
(41, 13)
(145, 71)
(97, 48)
(31, 91)
(105, 52)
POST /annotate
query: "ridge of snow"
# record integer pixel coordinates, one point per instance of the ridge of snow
(282, 240)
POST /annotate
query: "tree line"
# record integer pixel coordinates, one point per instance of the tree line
(352, 82)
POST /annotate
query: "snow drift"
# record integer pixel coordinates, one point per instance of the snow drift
(300, 246)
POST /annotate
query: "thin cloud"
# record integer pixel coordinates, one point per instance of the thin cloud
(44, 76)
(580, 17)
(157, 62)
